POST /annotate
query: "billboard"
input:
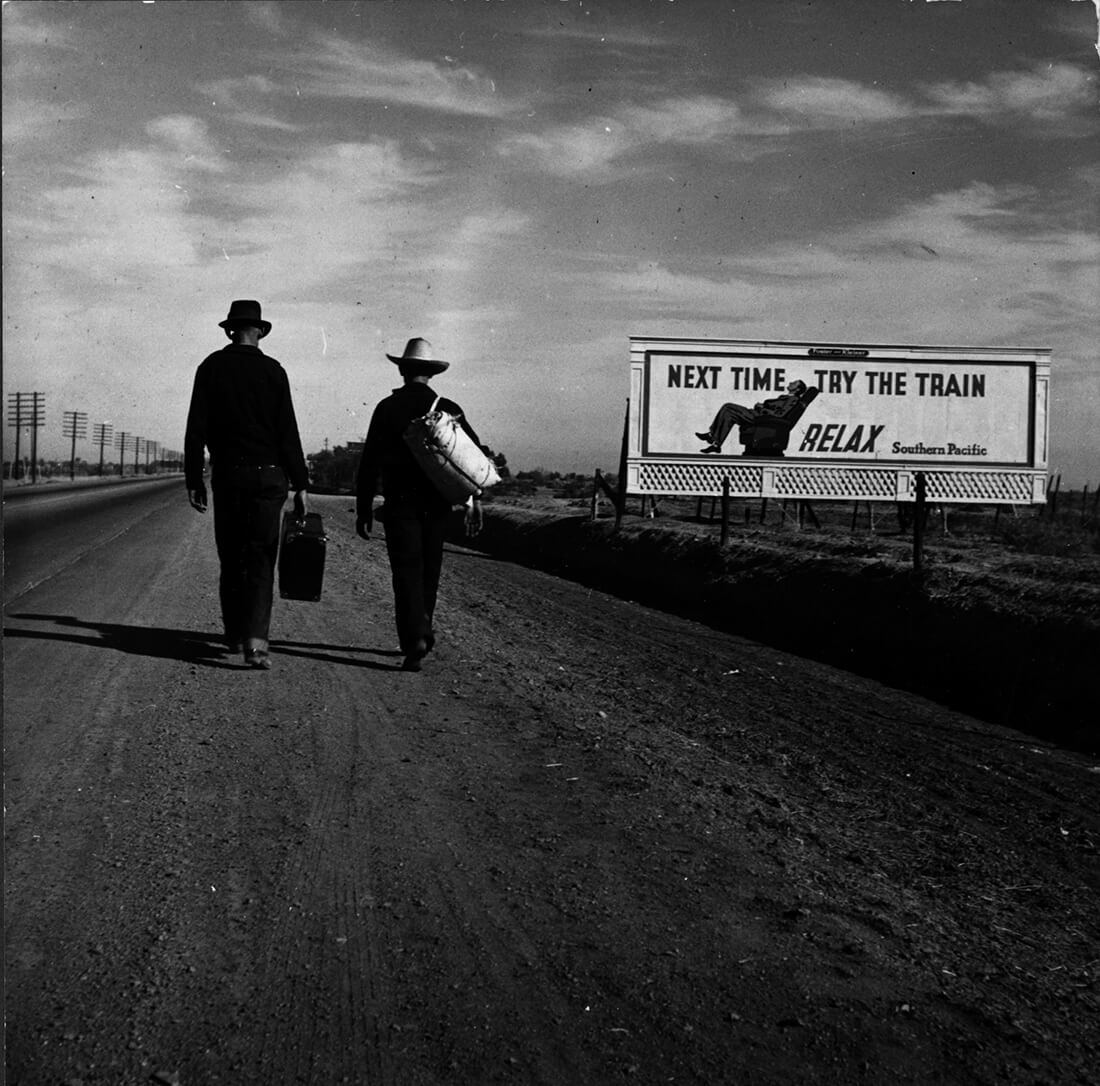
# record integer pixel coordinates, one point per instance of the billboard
(714, 407)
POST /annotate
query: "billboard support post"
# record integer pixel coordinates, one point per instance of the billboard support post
(620, 503)
(1053, 487)
(725, 537)
(918, 522)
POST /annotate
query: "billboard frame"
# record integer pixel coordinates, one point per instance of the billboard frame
(819, 479)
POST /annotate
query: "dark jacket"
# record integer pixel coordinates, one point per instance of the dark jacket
(242, 412)
(387, 464)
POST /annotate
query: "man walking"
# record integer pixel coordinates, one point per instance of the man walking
(414, 513)
(241, 410)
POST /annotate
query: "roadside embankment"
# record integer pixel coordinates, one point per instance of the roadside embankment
(1015, 642)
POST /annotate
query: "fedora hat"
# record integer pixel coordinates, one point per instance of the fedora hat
(418, 356)
(245, 312)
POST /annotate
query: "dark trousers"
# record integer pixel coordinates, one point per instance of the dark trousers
(414, 543)
(248, 505)
(729, 415)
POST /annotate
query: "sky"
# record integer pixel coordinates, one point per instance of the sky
(527, 184)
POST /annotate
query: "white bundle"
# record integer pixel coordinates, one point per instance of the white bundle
(449, 456)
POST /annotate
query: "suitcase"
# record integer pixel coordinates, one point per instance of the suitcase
(302, 557)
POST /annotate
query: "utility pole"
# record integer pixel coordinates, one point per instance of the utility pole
(17, 419)
(26, 409)
(74, 425)
(137, 445)
(101, 435)
(38, 419)
(121, 442)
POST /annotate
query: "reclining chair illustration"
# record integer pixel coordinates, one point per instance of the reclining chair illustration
(770, 431)
(765, 428)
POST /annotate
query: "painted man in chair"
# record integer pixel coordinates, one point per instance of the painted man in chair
(764, 428)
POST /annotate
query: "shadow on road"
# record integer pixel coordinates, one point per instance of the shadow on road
(191, 646)
(310, 652)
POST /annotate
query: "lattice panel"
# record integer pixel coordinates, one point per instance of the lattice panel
(682, 478)
(803, 481)
(786, 479)
(1002, 487)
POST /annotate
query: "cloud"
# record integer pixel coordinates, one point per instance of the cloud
(242, 100)
(1056, 97)
(981, 264)
(124, 227)
(187, 138)
(268, 16)
(329, 67)
(27, 118)
(1050, 95)
(31, 46)
(603, 38)
(817, 102)
(23, 27)
(135, 217)
(336, 68)
(238, 91)
(597, 145)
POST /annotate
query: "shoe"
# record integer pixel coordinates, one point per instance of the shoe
(705, 436)
(255, 653)
(711, 449)
(234, 648)
(415, 655)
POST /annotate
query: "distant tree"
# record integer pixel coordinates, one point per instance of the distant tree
(499, 460)
(333, 470)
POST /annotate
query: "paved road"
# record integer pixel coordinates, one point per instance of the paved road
(590, 843)
(47, 529)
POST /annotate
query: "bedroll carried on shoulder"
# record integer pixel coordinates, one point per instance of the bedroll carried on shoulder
(448, 455)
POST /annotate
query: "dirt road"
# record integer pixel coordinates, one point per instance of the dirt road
(590, 843)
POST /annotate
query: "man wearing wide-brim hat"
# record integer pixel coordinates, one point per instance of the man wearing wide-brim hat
(414, 515)
(242, 411)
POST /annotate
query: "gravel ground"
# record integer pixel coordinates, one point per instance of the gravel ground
(589, 843)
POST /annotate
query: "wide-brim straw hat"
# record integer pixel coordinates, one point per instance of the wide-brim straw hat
(245, 313)
(418, 357)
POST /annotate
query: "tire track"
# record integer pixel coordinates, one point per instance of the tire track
(328, 944)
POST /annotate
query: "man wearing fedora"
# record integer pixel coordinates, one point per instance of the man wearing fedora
(414, 513)
(241, 410)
